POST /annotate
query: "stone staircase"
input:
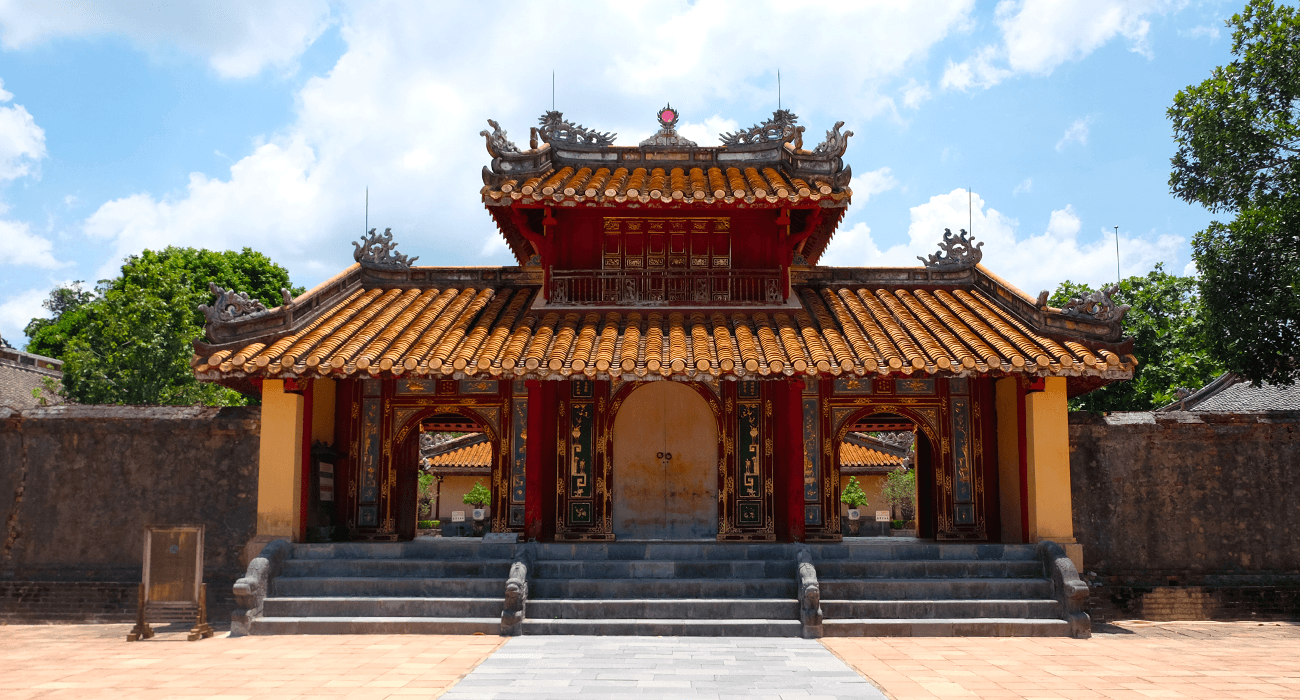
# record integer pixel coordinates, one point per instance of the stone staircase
(937, 590)
(420, 587)
(668, 589)
(867, 587)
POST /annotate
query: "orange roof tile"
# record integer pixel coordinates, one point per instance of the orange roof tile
(857, 329)
(852, 455)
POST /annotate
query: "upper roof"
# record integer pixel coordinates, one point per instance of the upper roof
(949, 318)
(467, 454)
(863, 454)
(765, 166)
(1230, 393)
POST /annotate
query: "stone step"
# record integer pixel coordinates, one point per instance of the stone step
(358, 606)
(607, 589)
(936, 589)
(440, 549)
(663, 569)
(376, 625)
(987, 627)
(663, 551)
(399, 568)
(667, 628)
(940, 609)
(930, 568)
(371, 586)
(885, 549)
(661, 608)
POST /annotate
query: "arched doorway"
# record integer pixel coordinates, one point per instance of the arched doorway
(453, 482)
(665, 452)
(874, 422)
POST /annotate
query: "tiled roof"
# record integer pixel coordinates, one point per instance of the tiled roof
(666, 185)
(852, 455)
(477, 455)
(1229, 393)
(468, 329)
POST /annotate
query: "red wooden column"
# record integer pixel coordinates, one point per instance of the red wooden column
(788, 443)
(539, 463)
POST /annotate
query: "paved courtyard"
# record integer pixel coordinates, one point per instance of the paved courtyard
(1127, 660)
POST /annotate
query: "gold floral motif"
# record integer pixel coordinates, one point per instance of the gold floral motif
(767, 486)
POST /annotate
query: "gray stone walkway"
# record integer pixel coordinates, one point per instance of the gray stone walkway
(646, 668)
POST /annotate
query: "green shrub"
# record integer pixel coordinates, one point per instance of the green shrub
(853, 495)
(897, 524)
(478, 496)
(427, 524)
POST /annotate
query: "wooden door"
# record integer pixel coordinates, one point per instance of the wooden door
(665, 449)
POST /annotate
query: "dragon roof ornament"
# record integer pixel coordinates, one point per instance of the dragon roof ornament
(667, 134)
(497, 143)
(956, 252)
(377, 250)
(231, 305)
(1096, 306)
(780, 128)
(835, 144)
(554, 128)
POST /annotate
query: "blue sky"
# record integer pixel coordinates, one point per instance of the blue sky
(260, 124)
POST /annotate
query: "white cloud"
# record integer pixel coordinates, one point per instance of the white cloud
(1039, 35)
(19, 246)
(18, 310)
(22, 142)
(915, 93)
(401, 110)
(237, 37)
(1032, 262)
(1026, 186)
(1076, 132)
(706, 134)
(872, 183)
(1208, 31)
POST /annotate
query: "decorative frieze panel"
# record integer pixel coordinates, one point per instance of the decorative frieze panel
(745, 478)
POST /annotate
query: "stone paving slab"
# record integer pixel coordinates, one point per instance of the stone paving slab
(651, 668)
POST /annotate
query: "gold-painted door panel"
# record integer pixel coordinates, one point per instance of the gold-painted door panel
(665, 445)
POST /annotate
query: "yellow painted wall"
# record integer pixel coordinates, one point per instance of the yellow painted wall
(1008, 459)
(872, 485)
(454, 489)
(279, 475)
(1048, 446)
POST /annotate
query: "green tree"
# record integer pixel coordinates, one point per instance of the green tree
(1238, 151)
(899, 491)
(130, 341)
(1168, 326)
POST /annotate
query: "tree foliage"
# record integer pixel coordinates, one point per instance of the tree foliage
(1168, 326)
(1238, 151)
(129, 341)
(899, 491)
(478, 496)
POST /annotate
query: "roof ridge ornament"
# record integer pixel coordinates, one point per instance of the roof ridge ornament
(377, 250)
(959, 252)
(667, 134)
(782, 127)
(554, 128)
(497, 143)
(835, 144)
(230, 305)
(1096, 306)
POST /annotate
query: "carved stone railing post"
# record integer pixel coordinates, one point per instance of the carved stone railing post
(516, 598)
(810, 595)
(1070, 590)
(251, 589)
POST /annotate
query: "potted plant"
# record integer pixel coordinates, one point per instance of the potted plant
(854, 497)
(478, 497)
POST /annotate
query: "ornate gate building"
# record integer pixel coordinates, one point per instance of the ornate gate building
(667, 360)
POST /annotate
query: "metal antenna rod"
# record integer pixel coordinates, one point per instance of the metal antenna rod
(552, 90)
(1117, 277)
(970, 213)
(367, 229)
(778, 89)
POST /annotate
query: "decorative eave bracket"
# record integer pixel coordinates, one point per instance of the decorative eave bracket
(378, 252)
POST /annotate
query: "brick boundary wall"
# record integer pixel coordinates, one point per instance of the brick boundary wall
(1188, 516)
(78, 484)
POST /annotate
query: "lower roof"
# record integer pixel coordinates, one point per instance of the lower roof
(500, 328)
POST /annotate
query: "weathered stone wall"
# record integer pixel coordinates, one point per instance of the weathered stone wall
(78, 484)
(1188, 515)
